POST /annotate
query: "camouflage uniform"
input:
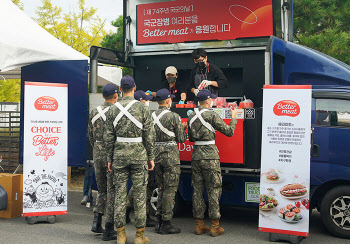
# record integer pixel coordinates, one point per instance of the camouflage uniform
(206, 162)
(167, 162)
(150, 187)
(104, 179)
(129, 158)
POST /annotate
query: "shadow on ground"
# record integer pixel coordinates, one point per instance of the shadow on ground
(241, 226)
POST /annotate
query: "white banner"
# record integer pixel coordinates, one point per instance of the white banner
(45, 148)
(285, 160)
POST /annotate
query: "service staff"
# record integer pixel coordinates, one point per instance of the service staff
(177, 90)
(205, 74)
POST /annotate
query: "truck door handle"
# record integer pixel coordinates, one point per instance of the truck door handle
(315, 151)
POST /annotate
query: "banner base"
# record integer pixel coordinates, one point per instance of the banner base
(41, 219)
(274, 237)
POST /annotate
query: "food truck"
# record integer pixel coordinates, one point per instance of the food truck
(251, 41)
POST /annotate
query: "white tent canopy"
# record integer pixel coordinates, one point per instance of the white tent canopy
(24, 42)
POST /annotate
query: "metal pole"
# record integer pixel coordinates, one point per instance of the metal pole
(93, 69)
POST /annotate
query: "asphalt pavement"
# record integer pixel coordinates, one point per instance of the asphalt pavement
(241, 226)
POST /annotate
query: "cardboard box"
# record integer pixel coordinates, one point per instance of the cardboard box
(12, 183)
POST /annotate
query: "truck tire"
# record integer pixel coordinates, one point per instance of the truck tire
(335, 211)
(154, 199)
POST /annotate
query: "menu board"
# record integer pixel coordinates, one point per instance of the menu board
(184, 21)
(45, 149)
(285, 160)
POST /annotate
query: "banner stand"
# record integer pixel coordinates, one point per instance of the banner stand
(285, 162)
(45, 147)
(41, 219)
(274, 237)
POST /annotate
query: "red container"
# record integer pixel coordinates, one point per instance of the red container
(232, 105)
(190, 104)
(180, 105)
(247, 103)
(220, 102)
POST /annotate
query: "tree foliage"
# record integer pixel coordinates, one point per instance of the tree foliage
(18, 3)
(324, 26)
(10, 90)
(115, 41)
(80, 30)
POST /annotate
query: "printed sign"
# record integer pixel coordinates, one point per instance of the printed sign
(181, 21)
(45, 149)
(252, 192)
(285, 160)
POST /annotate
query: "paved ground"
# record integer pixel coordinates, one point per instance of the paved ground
(241, 226)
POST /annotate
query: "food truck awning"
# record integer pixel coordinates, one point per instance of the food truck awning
(24, 42)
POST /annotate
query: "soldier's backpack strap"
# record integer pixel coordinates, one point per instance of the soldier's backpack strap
(101, 114)
(156, 121)
(199, 116)
(124, 111)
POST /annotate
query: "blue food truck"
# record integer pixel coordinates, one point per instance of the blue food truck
(250, 62)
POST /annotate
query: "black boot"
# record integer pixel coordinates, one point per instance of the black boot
(109, 233)
(167, 228)
(150, 222)
(159, 223)
(128, 210)
(97, 223)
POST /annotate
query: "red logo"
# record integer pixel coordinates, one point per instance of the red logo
(46, 103)
(286, 108)
(45, 152)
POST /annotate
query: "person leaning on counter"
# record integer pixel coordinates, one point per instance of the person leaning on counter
(178, 91)
(205, 74)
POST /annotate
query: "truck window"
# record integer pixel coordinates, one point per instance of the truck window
(333, 112)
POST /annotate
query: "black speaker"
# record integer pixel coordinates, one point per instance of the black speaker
(3, 199)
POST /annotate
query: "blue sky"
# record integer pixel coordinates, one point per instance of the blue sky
(106, 9)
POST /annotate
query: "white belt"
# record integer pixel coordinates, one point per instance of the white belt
(202, 143)
(98, 141)
(128, 139)
(166, 143)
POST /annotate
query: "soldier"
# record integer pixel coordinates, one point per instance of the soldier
(104, 179)
(206, 170)
(169, 130)
(143, 98)
(129, 138)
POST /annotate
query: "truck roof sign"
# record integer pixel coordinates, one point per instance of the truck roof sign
(185, 21)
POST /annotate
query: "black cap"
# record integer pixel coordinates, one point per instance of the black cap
(127, 82)
(109, 89)
(141, 95)
(205, 94)
(163, 94)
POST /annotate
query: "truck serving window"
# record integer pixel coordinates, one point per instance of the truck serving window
(333, 112)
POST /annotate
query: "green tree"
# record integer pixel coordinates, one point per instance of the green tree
(115, 41)
(79, 30)
(10, 90)
(324, 26)
(18, 3)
